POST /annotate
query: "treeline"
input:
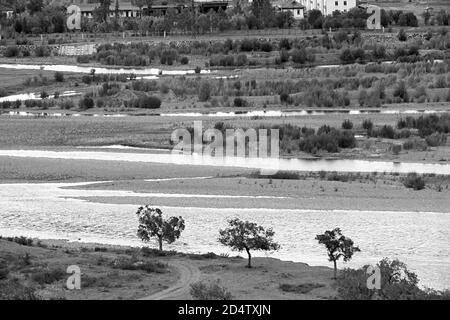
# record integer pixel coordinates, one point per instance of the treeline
(39, 18)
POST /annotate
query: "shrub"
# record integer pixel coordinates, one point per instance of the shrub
(15, 290)
(48, 276)
(401, 91)
(184, 60)
(133, 264)
(284, 44)
(83, 59)
(300, 288)
(436, 139)
(240, 102)
(299, 56)
(414, 181)
(204, 93)
(284, 56)
(397, 283)
(209, 291)
(42, 51)
(285, 98)
(86, 103)
(402, 36)
(147, 102)
(241, 60)
(367, 125)
(11, 51)
(347, 124)
(59, 76)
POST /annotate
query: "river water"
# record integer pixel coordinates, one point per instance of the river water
(269, 164)
(50, 211)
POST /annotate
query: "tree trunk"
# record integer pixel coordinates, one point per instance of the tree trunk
(335, 270)
(249, 265)
(160, 240)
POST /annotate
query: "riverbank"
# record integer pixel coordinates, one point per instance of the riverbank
(105, 273)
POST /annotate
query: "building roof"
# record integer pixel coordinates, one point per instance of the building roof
(288, 5)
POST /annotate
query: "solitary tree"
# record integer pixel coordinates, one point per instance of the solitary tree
(245, 235)
(337, 246)
(153, 225)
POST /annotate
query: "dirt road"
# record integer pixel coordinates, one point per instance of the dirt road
(188, 274)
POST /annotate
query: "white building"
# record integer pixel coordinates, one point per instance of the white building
(297, 9)
(327, 7)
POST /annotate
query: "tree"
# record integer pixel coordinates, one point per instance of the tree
(140, 4)
(102, 12)
(315, 18)
(152, 225)
(35, 6)
(402, 36)
(264, 13)
(337, 246)
(245, 235)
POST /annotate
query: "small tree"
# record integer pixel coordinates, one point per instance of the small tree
(245, 235)
(152, 225)
(337, 246)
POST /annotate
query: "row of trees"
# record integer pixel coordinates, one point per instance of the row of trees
(239, 236)
(37, 18)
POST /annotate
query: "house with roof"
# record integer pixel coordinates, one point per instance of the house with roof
(296, 8)
(327, 7)
(159, 8)
(6, 11)
(126, 9)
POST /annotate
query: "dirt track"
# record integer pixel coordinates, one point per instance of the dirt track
(188, 274)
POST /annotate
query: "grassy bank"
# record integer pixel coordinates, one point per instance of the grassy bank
(111, 272)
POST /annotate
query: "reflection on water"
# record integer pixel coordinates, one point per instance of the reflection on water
(48, 211)
(269, 164)
(79, 69)
(297, 113)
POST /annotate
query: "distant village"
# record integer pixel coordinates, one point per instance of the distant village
(134, 9)
(161, 17)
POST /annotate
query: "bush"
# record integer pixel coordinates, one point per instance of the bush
(151, 102)
(285, 98)
(48, 276)
(436, 139)
(209, 291)
(300, 288)
(401, 91)
(239, 102)
(83, 59)
(204, 93)
(402, 36)
(299, 56)
(11, 51)
(347, 124)
(397, 283)
(133, 264)
(59, 76)
(14, 290)
(184, 60)
(42, 51)
(414, 181)
(86, 103)
(367, 125)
